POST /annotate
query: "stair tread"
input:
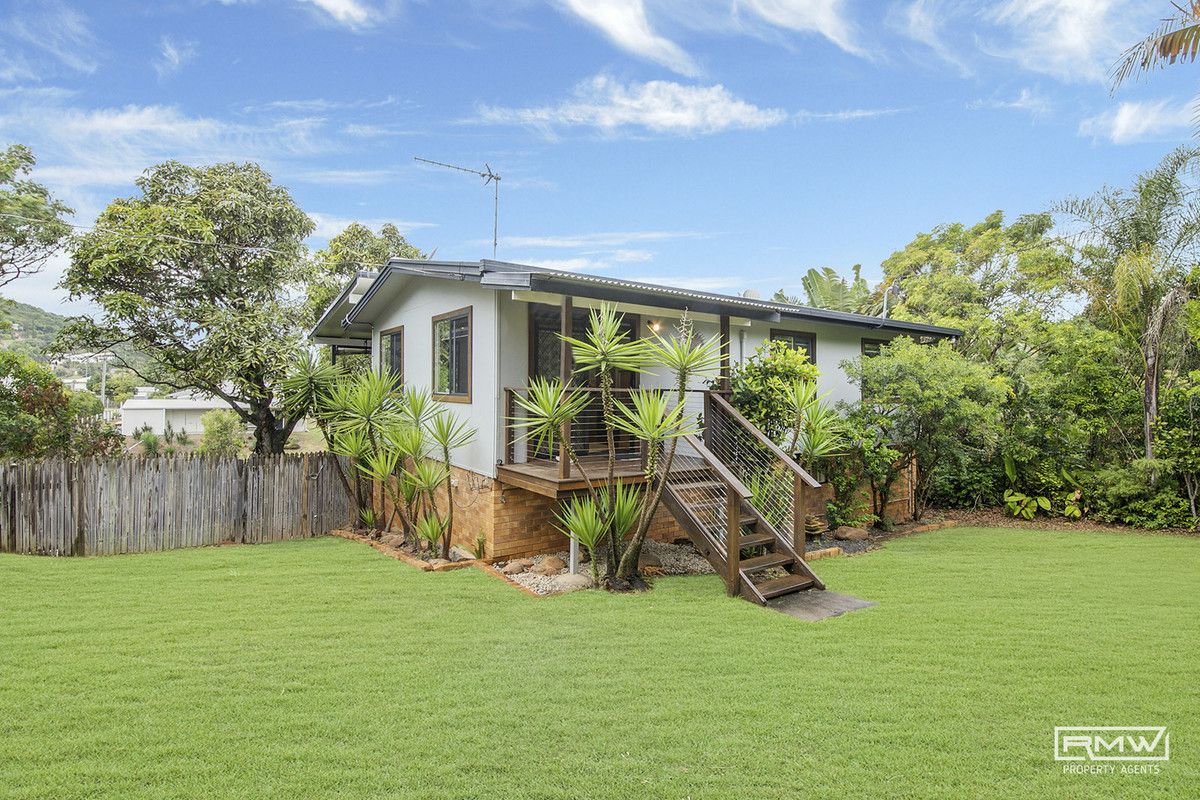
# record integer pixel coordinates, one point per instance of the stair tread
(785, 585)
(764, 561)
(757, 539)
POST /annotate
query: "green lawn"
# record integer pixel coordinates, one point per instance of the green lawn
(323, 669)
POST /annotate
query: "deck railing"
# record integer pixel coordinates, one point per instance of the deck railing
(586, 434)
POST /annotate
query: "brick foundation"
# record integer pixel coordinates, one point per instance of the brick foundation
(515, 522)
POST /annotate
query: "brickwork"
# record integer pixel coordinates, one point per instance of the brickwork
(515, 522)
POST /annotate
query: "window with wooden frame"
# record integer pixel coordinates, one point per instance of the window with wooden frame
(452, 356)
(391, 350)
(872, 347)
(797, 340)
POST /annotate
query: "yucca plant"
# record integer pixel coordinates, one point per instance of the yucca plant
(581, 519)
(689, 357)
(429, 529)
(818, 431)
(648, 415)
(448, 433)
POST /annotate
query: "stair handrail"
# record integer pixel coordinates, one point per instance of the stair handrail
(735, 493)
(801, 479)
(762, 439)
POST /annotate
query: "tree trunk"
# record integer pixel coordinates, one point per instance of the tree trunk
(1150, 398)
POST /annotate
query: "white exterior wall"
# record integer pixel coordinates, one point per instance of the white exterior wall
(134, 418)
(833, 344)
(500, 353)
(416, 304)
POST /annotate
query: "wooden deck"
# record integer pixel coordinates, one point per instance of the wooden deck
(541, 477)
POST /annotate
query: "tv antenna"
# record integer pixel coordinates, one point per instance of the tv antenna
(488, 177)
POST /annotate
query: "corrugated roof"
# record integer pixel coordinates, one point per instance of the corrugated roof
(506, 276)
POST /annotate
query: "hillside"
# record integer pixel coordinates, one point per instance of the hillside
(37, 327)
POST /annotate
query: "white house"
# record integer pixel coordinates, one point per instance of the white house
(181, 409)
(474, 334)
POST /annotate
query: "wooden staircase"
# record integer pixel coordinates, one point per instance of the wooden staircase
(757, 561)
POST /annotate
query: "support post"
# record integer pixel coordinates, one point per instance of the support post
(733, 541)
(725, 358)
(566, 312)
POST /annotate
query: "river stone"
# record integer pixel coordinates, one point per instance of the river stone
(460, 553)
(848, 534)
(514, 567)
(550, 565)
(648, 559)
(570, 583)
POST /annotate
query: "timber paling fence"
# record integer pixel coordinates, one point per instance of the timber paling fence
(133, 505)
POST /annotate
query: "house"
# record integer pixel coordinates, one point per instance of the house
(181, 410)
(156, 413)
(475, 333)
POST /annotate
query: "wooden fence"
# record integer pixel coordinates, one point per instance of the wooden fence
(133, 505)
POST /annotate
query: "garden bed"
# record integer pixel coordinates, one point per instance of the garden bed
(402, 554)
(542, 575)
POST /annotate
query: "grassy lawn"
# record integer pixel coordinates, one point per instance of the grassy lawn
(323, 669)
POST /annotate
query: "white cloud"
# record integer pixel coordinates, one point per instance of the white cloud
(826, 17)
(357, 15)
(1135, 122)
(1029, 100)
(330, 225)
(1072, 40)
(626, 24)
(923, 22)
(629, 23)
(658, 106)
(81, 148)
(846, 115)
(173, 56)
(51, 28)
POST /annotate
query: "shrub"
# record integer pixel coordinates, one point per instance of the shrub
(1142, 494)
(762, 386)
(223, 434)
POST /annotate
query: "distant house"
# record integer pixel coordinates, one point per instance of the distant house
(475, 334)
(181, 410)
(157, 412)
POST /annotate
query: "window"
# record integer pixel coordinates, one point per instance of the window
(796, 340)
(391, 343)
(452, 356)
(871, 347)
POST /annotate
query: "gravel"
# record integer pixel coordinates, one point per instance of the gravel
(676, 559)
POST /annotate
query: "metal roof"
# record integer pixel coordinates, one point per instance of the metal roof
(507, 276)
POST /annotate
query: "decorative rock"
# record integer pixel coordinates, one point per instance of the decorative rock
(848, 534)
(550, 565)
(570, 583)
(460, 553)
(514, 567)
(439, 562)
(648, 559)
(525, 562)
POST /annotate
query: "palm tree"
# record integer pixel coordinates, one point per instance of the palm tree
(1176, 39)
(1139, 252)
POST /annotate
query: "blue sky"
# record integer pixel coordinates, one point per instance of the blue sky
(722, 145)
